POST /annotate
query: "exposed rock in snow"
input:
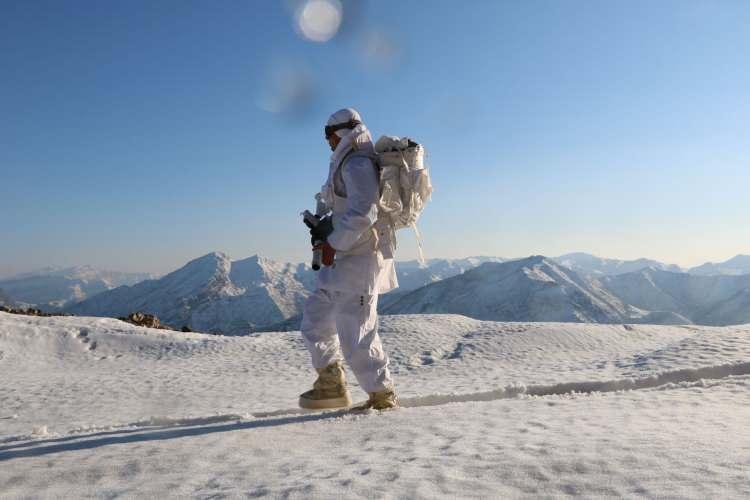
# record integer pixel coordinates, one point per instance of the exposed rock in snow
(55, 288)
(735, 266)
(146, 320)
(587, 264)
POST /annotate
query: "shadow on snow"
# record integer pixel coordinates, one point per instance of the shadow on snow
(174, 429)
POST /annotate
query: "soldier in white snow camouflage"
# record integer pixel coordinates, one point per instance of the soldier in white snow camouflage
(340, 317)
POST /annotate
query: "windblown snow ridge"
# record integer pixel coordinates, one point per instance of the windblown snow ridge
(684, 376)
(586, 387)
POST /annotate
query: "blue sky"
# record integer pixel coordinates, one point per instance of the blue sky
(137, 135)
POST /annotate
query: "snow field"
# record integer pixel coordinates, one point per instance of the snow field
(97, 407)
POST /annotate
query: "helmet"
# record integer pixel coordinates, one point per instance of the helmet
(346, 118)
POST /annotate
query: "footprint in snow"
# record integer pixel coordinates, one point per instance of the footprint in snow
(83, 336)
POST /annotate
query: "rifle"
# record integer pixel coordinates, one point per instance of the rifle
(312, 221)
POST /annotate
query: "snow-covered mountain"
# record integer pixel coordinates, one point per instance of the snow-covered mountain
(705, 300)
(413, 275)
(587, 264)
(214, 294)
(735, 266)
(531, 289)
(54, 288)
(538, 289)
(211, 294)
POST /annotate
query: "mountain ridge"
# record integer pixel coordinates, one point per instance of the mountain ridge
(212, 293)
(699, 298)
(737, 265)
(253, 292)
(515, 291)
(601, 266)
(55, 288)
(532, 289)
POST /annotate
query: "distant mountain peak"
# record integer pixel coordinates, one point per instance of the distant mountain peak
(534, 288)
(537, 259)
(740, 259)
(211, 257)
(53, 288)
(211, 294)
(591, 265)
(737, 265)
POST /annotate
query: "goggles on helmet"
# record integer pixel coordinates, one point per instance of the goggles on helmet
(330, 129)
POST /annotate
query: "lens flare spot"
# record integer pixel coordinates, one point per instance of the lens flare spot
(319, 20)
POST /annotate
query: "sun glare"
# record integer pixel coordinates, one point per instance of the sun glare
(319, 20)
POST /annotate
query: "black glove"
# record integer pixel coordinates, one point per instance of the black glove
(322, 230)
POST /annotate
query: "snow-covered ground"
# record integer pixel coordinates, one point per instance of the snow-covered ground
(97, 407)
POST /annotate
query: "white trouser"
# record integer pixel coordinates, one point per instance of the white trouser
(342, 321)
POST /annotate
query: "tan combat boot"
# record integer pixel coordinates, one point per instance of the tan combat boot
(329, 390)
(381, 400)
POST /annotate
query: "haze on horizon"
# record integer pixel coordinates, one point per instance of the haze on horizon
(145, 135)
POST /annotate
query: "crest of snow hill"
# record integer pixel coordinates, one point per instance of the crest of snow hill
(217, 295)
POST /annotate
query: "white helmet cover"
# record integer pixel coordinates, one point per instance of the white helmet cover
(341, 117)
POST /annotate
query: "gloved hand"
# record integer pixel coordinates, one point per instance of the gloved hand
(322, 230)
(329, 253)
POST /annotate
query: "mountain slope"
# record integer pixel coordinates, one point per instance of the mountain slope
(735, 266)
(537, 289)
(710, 300)
(734, 310)
(55, 288)
(531, 289)
(211, 294)
(587, 264)
(413, 275)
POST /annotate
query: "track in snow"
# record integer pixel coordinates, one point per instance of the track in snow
(662, 379)
(169, 428)
(588, 387)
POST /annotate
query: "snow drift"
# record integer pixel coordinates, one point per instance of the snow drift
(105, 408)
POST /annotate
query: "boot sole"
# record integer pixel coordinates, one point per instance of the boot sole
(366, 407)
(325, 404)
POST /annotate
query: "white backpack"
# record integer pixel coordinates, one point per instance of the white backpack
(405, 186)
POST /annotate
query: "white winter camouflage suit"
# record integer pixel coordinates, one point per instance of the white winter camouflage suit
(341, 315)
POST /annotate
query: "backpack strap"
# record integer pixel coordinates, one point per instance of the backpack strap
(338, 175)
